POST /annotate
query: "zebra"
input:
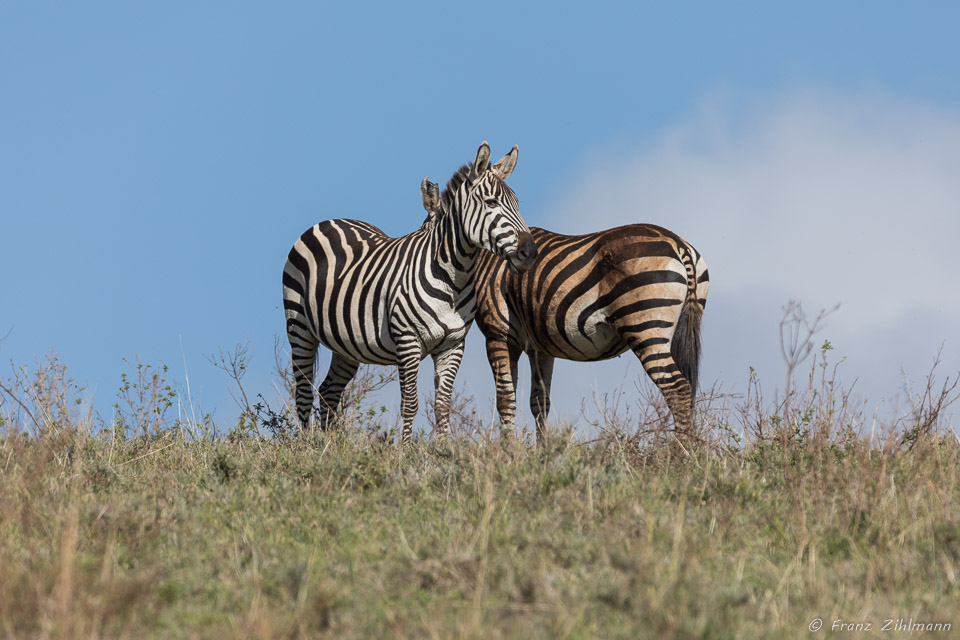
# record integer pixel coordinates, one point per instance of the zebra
(592, 297)
(370, 298)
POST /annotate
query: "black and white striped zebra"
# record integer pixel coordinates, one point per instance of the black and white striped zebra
(370, 298)
(639, 287)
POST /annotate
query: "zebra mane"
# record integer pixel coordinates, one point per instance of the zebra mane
(457, 179)
(449, 194)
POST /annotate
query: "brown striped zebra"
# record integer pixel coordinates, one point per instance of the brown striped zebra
(371, 298)
(592, 297)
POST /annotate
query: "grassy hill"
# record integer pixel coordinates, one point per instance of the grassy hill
(771, 519)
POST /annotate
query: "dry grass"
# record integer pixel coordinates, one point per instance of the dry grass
(347, 536)
(778, 514)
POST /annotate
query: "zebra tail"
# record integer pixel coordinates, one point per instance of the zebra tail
(685, 347)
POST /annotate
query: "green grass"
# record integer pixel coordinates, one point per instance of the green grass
(146, 526)
(345, 536)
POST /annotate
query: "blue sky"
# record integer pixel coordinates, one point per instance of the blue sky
(156, 164)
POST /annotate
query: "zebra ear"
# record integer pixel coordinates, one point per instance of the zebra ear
(430, 192)
(505, 165)
(482, 163)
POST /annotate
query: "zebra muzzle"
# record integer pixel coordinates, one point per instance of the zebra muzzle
(526, 254)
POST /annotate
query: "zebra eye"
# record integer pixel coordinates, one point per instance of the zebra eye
(493, 203)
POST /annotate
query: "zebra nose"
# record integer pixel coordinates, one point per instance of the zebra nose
(527, 250)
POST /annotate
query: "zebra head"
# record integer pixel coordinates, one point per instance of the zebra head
(489, 210)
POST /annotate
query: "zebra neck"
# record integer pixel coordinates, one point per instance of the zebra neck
(455, 255)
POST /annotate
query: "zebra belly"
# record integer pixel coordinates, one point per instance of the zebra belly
(597, 341)
(384, 354)
(359, 332)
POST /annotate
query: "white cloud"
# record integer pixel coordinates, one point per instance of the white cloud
(821, 197)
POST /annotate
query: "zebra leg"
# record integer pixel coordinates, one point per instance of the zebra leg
(341, 372)
(303, 355)
(541, 374)
(408, 362)
(445, 366)
(503, 357)
(654, 354)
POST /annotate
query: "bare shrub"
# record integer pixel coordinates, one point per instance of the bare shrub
(283, 372)
(928, 408)
(643, 421)
(143, 399)
(713, 423)
(820, 409)
(356, 403)
(466, 423)
(616, 423)
(43, 400)
(796, 344)
(234, 364)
